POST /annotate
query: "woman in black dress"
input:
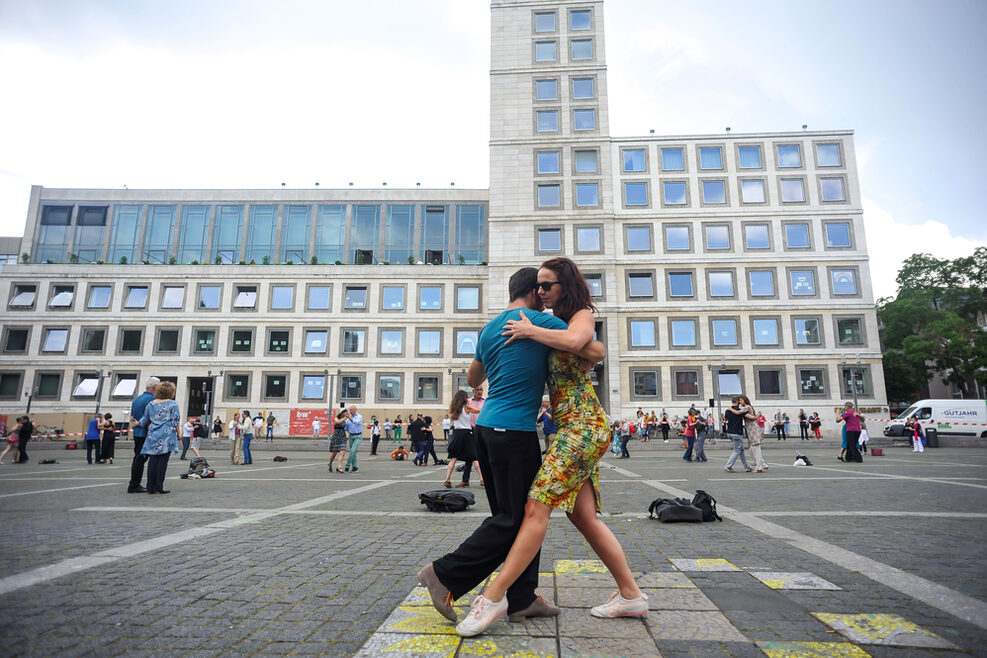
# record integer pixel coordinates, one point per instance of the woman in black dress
(463, 444)
(109, 440)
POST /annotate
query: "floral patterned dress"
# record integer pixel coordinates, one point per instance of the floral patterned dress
(582, 438)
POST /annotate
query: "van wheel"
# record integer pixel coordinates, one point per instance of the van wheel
(983, 435)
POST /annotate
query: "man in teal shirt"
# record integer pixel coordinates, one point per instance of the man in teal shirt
(509, 454)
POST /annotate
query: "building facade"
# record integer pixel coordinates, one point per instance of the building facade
(718, 263)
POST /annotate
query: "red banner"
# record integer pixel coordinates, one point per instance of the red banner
(301, 422)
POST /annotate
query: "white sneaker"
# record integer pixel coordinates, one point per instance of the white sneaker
(483, 613)
(618, 606)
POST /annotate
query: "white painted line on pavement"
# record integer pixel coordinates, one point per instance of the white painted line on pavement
(44, 491)
(931, 515)
(57, 570)
(901, 477)
(959, 605)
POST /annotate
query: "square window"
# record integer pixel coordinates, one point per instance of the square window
(209, 297)
(546, 90)
(642, 333)
(672, 159)
(645, 383)
(581, 49)
(595, 283)
(828, 155)
(855, 378)
(634, 160)
(717, 237)
(549, 196)
(838, 235)
(467, 298)
(546, 51)
(316, 341)
(94, 340)
(583, 88)
(313, 387)
(205, 341)
(173, 297)
(282, 298)
(99, 296)
(724, 332)
(318, 298)
(275, 386)
(545, 21)
(586, 162)
(49, 384)
(426, 387)
(686, 383)
(389, 387)
(807, 331)
(640, 285)
(762, 283)
(587, 195)
(125, 386)
(136, 297)
(803, 282)
(15, 340)
(720, 284)
(584, 119)
(849, 332)
(391, 341)
(168, 341)
(466, 340)
(579, 19)
(765, 331)
(757, 236)
(588, 239)
(674, 193)
(237, 386)
(62, 297)
(353, 341)
(636, 194)
(811, 381)
(792, 190)
(10, 385)
(548, 162)
(749, 157)
(680, 284)
(356, 298)
(430, 298)
(677, 238)
(242, 341)
(549, 239)
(24, 296)
(86, 385)
(844, 282)
(752, 191)
(714, 191)
(547, 121)
(429, 342)
(769, 382)
(246, 297)
(638, 238)
(683, 333)
(797, 236)
(710, 157)
(831, 189)
(392, 298)
(55, 340)
(789, 155)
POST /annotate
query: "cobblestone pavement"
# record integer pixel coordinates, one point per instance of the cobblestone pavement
(884, 558)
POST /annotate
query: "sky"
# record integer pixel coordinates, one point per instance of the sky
(251, 93)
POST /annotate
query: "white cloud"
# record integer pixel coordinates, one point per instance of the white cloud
(889, 242)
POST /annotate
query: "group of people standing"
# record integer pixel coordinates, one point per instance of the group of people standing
(101, 439)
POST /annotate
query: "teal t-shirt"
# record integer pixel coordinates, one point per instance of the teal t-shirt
(515, 373)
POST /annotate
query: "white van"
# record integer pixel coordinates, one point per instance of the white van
(951, 417)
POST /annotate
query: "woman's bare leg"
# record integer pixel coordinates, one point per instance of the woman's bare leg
(452, 465)
(603, 542)
(342, 457)
(527, 544)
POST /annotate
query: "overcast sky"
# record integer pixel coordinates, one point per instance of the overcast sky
(248, 94)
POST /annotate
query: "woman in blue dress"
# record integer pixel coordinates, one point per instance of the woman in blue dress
(162, 419)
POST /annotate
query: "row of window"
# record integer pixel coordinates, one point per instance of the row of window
(676, 193)
(769, 382)
(721, 284)
(236, 386)
(243, 341)
(747, 157)
(222, 234)
(547, 21)
(725, 332)
(281, 297)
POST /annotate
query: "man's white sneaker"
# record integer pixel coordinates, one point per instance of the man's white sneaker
(618, 606)
(483, 613)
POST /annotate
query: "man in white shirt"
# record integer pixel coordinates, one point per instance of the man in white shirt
(316, 428)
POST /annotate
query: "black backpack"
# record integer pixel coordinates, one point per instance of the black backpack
(707, 504)
(675, 510)
(447, 501)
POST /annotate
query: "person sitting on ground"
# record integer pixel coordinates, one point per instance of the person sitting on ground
(399, 454)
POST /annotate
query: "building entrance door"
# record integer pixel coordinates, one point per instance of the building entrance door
(200, 396)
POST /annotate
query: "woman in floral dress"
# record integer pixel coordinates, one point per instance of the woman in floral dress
(569, 475)
(162, 420)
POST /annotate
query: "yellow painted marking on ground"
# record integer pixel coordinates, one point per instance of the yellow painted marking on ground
(579, 566)
(881, 629)
(713, 562)
(812, 650)
(426, 620)
(441, 645)
(490, 648)
(776, 584)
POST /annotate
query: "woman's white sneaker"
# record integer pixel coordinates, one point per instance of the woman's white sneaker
(618, 606)
(483, 613)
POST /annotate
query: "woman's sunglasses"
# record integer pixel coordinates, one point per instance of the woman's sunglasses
(546, 285)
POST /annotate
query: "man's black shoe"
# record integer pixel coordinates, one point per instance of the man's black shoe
(137, 489)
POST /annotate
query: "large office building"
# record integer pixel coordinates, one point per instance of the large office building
(717, 262)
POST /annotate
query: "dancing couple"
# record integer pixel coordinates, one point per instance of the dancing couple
(522, 489)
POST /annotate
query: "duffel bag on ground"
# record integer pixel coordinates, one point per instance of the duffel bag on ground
(447, 501)
(675, 510)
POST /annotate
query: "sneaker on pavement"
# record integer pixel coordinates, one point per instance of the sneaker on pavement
(483, 613)
(618, 606)
(441, 596)
(538, 608)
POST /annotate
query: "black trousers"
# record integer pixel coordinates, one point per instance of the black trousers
(852, 451)
(22, 448)
(664, 433)
(92, 445)
(781, 432)
(374, 441)
(157, 466)
(137, 466)
(430, 450)
(509, 461)
(804, 431)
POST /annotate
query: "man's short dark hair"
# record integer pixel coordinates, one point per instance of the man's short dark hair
(522, 282)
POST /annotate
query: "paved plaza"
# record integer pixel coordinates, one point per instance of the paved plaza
(884, 558)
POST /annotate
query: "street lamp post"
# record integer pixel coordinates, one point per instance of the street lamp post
(853, 380)
(99, 388)
(30, 394)
(716, 391)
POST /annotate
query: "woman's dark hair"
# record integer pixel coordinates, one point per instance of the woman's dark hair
(577, 295)
(428, 420)
(457, 404)
(747, 402)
